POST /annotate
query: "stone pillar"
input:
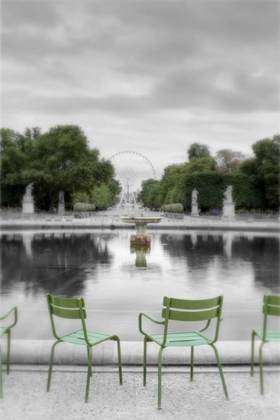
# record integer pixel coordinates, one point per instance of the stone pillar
(28, 201)
(194, 212)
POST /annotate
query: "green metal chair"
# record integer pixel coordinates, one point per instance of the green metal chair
(7, 330)
(271, 307)
(184, 311)
(73, 309)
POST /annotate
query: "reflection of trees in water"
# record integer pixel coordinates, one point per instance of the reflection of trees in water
(200, 250)
(57, 265)
(263, 253)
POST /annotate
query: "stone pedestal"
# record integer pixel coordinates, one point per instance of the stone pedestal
(28, 201)
(61, 208)
(61, 204)
(194, 212)
(228, 211)
(28, 205)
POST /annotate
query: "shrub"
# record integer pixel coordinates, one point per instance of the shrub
(79, 207)
(173, 208)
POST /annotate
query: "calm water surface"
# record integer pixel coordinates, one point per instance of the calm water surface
(101, 267)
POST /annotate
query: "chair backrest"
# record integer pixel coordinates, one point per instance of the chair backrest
(192, 311)
(67, 308)
(271, 307)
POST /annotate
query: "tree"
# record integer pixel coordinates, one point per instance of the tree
(265, 168)
(13, 161)
(150, 193)
(198, 165)
(228, 161)
(198, 150)
(101, 197)
(58, 160)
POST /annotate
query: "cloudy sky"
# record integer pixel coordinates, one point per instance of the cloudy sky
(149, 76)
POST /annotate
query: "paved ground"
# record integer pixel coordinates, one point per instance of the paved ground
(25, 397)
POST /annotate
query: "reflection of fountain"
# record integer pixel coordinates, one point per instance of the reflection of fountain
(140, 251)
(140, 226)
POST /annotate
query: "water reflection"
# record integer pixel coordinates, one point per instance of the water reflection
(140, 251)
(91, 264)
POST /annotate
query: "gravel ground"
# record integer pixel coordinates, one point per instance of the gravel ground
(25, 397)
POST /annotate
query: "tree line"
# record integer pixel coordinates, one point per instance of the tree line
(61, 160)
(255, 180)
(57, 160)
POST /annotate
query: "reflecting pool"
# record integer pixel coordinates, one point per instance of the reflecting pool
(100, 266)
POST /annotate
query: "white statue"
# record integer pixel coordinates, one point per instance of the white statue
(28, 191)
(228, 194)
(61, 196)
(194, 196)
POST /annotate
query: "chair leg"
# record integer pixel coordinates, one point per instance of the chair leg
(159, 376)
(51, 365)
(220, 370)
(8, 350)
(145, 362)
(1, 379)
(192, 361)
(88, 355)
(89, 372)
(261, 366)
(119, 360)
(252, 351)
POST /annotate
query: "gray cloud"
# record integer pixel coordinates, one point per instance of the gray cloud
(141, 61)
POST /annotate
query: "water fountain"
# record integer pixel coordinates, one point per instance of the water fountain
(141, 223)
(140, 242)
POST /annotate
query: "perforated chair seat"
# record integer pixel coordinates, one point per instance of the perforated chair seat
(271, 335)
(78, 337)
(181, 339)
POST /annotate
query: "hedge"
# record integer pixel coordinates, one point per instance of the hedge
(79, 207)
(172, 208)
(211, 188)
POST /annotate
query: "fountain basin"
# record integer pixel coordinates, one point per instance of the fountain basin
(141, 222)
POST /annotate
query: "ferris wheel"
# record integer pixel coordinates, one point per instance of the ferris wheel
(131, 168)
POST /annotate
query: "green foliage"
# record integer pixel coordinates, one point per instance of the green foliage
(101, 196)
(58, 160)
(228, 161)
(81, 207)
(150, 193)
(172, 208)
(265, 169)
(198, 165)
(114, 189)
(211, 188)
(198, 150)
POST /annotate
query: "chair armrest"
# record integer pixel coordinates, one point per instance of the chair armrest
(13, 309)
(156, 321)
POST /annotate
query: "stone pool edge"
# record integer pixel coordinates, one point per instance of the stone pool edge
(37, 352)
